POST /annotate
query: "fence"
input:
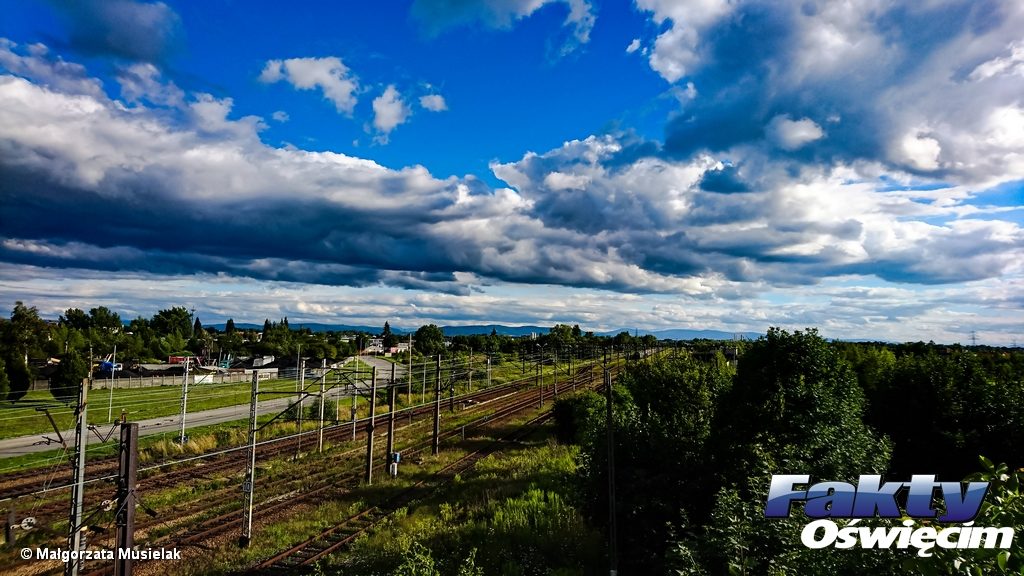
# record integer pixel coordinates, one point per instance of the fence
(148, 381)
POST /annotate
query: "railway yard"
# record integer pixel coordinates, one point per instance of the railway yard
(309, 506)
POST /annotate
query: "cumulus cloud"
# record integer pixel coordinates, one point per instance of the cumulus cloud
(142, 81)
(439, 15)
(792, 224)
(328, 74)
(911, 88)
(389, 111)
(677, 50)
(633, 46)
(433, 102)
(614, 212)
(280, 116)
(792, 134)
(35, 61)
(146, 31)
(1010, 64)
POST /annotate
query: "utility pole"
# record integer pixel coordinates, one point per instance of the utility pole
(369, 428)
(110, 392)
(437, 408)
(355, 406)
(320, 430)
(612, 555)
(300, 383)
(469, 386)
(408, 390)
(488, 371)
(184, 403)
(572, 374)
(423, 389)
(392, 397)
(126, 484)
(540, 384)
(78, 482)
(554, 378)
(451, 387)
(249, 484)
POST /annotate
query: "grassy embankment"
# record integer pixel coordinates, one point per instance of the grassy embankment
(513, 513)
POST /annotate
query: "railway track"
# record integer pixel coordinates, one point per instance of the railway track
(211, 464)
(304, 555)
(334, 476)
(341, 535)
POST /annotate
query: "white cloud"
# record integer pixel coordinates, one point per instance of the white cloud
(1000, 65)
(280, 116)
(562, 181)
(633, 46)
(142, 81)
(920, 152)
(51, 71)
(389, 111)
(328, 74)
(677, 50)
(792, 134)
(433, 102)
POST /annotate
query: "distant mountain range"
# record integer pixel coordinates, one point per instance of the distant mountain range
(671, 334)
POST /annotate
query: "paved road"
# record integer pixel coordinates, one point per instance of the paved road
(11, 447)
(384, 369)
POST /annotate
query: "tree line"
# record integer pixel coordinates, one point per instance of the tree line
(697, 440)
(27, 342)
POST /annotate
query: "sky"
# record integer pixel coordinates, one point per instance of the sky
(854, 166)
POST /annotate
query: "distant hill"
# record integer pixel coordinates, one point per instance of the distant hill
(500, 329)
(316, 327)
(684, 334)
(471, 329)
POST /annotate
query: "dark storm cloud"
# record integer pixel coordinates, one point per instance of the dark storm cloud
(726, 180)
(147, 31)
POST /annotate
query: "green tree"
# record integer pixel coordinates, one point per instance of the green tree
(796, 400)
(390, 339)
(665, 405)
(429, 340)
(75, 318)
(5, 383)
(66, 380)
(1003, 506)
(795, 406)
(22, 337)
(102, 318)
(229, 326)
(941, 408)
(177, 319)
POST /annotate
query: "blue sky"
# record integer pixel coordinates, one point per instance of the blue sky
(856, 166)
